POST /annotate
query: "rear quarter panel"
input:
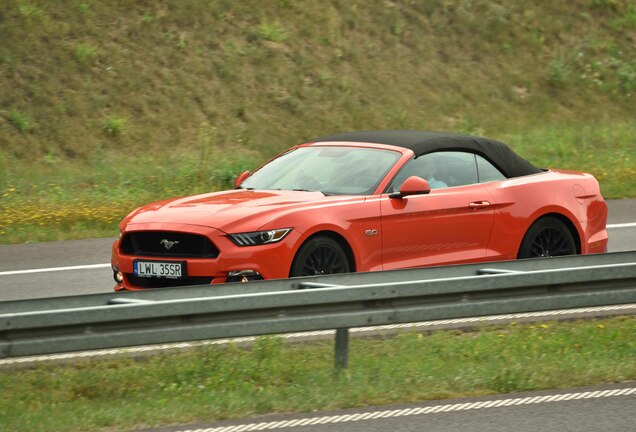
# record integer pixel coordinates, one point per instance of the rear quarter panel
(521, 201)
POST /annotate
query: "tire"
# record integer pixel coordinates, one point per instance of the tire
(320, 255)
(547, 237)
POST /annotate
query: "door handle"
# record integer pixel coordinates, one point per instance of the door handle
(479, 205)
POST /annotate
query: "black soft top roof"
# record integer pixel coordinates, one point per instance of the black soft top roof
(422, 142)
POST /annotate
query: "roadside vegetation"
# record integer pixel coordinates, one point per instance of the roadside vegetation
(105, 106)
(222, 382)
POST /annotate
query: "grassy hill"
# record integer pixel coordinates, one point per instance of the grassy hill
(106, 105)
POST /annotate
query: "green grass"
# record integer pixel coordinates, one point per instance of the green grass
(123, 92)
(20, 121)
(85, 53)
(272, 32)
(29, 10)
(63, 202)
(115, 125)
(607, 152)
(558, 72)
(214, 382)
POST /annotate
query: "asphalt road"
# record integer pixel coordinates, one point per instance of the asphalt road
(52, 256)
(607, 408)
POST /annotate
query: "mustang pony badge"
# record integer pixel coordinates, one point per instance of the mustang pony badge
(168, 244)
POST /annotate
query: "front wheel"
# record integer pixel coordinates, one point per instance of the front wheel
(320, 255)
(547, 237)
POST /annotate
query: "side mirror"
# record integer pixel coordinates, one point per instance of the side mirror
(412, 186)
(241, 178)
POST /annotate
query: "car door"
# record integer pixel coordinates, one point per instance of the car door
(451, 224)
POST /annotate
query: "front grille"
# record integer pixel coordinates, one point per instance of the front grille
(168, 244)
(143, 282)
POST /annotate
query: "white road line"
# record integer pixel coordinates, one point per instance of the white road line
(383, 414)
(621, 225)
(430, 325)
(54, 269)
(94, 266)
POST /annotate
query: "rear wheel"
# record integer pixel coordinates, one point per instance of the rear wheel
(547, 237)
(320, 255)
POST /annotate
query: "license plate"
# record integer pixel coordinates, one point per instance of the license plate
(160, 269)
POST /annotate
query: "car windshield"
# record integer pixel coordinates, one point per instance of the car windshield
(328, 169)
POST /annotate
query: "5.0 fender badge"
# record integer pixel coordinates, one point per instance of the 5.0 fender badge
(371, 232)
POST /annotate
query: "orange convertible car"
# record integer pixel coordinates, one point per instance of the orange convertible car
(364, 201)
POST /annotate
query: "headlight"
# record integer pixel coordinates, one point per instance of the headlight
(259, 237)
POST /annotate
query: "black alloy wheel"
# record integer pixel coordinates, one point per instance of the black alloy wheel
(320, 255)
(547, 237)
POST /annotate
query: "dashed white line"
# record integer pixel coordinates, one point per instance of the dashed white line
(383, 414)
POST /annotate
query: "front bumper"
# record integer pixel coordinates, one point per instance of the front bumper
(271, 261)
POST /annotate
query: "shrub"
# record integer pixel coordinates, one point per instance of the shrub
(85, 53)
(272, 32)
(115, 125)
(19, 120)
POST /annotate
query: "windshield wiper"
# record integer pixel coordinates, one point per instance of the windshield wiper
(307, 190)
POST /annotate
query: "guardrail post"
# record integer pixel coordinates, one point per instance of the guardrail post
(342, 348)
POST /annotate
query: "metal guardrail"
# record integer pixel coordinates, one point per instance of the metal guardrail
(307, 304)
(349, 279)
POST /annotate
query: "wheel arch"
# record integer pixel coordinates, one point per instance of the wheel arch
(566, 221)
(338, 238)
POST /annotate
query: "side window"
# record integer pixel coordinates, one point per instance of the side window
(440, 169)
(487, 171)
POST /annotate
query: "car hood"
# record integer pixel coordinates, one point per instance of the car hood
(229, 211)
